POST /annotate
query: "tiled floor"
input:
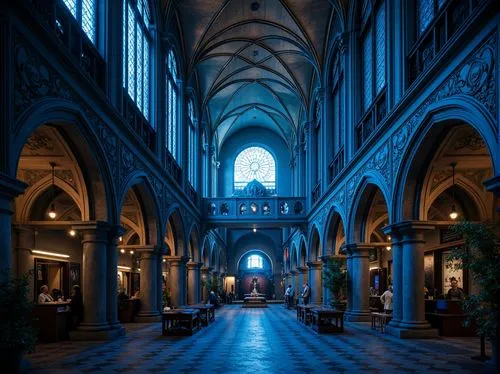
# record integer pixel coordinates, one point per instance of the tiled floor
(258, 341)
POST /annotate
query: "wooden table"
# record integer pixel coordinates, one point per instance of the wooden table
(327, 320)
(207, 313)
(304, 313)
(380, 320)
(180, 322)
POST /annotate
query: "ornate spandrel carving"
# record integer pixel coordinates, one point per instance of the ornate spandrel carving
(33, 79)
(475, 77)
(471, 142)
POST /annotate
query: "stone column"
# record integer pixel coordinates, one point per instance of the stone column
(302, 278)
(326, 292)
(9, 189)
(359, 278)
(112, 275)
(176, 281)
(294, 277)
(94, 286)
(413, 323)
(193, 269)
(397, 274)
(205, 274)
(315, 281)
(149, 311)
(25, 263)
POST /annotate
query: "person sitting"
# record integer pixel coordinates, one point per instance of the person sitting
(76, 304)
(44, 296)
(386, 299)
(455, 293)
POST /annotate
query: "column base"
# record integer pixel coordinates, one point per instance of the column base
(147, 317)
(357, 316)
(91, 333)
(404, 331)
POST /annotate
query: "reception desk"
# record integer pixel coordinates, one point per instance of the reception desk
(52, 321)
(448, 317)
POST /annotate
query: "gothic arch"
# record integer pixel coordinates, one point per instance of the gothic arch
(334, 232)
(194, 240)
(81, 136)
(315, 244)
(175, 232)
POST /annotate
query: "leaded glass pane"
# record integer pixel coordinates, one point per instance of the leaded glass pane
(146, 78)
(380, 47)
(124, 46)
(71, 5)
(367, 70)
(425, 14)
(254, 163)
(336, 116)
(255, 262)
(131, 53)
(140, 67)
(89, 18)
(174, 123)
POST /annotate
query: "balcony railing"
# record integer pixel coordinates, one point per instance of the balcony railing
(173, 168)
(55, 14)
(447, 22)
(336, 165)
(254, 208)
(138, 123)
(316, 192)
(372, 119)
(192, 194)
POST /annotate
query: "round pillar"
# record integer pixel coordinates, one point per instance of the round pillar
(176, 280)
(359, 278)
(315, 281)
(193, 270)
(149, 311)
(397, 275)
(112, 275)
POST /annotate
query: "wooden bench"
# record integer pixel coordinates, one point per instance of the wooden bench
(380, 320)
(325, 320)
(180, 322)
(207, 313)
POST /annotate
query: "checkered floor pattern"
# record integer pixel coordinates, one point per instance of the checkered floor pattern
(257, 341)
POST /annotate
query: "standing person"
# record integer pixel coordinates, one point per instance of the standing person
(455, 292)
(288, 296)
(76, 304)
(386, 299)
(306, 293)
(44, 296)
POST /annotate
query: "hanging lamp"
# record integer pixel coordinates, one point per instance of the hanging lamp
(453, 213)
(52, 211)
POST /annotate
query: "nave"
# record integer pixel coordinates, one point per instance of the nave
(258, 341)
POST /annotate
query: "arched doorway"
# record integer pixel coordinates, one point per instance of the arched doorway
(255, 268)
(175, 265)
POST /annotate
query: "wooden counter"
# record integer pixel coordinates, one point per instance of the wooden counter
(448, 317)
(52, 321)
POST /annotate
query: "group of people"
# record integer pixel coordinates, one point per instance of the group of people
(75, 300)
(290, 295)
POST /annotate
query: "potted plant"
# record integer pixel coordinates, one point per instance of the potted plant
(166, 297)
(17, 334)
(335, 280)
(481, 257)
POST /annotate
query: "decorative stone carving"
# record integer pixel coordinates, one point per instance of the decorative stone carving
(38, 144)
(472, 141)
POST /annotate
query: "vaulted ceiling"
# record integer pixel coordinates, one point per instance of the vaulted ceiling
(255, 63)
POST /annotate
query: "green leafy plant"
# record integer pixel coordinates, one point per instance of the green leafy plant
(335, 278)
(481, 256)
(16, 321)
(214, 283)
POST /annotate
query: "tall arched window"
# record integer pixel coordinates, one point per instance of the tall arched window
(172, 104)
(426, 11)
(84, 11)
(337, 116)
(373, 50)
(136, 53)
(255, 262)
(255, 163)
(192, 144)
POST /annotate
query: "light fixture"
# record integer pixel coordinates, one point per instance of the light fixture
(453, 213)
(49, 253)
(52, 210)
(254, 229)
(122, 250)
(131, 252)
(120, 238)
(388, 247)
(72, 233)
(389, 238)
(123, 267)
(164, 260)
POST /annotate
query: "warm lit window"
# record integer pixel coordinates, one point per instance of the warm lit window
(136, 53)
(84, 11)
(254, 163)
(373, 51)
(255, 262)
(172, 104)
(192, 143)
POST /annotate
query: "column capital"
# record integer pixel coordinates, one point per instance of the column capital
(411, 230)
(493, 185)
(206, 269)
(193, 265)
(10, 187)
(115, 232)
(294, 272)
(315, 264)
(302, 269)
(358, 249)
(174, 260)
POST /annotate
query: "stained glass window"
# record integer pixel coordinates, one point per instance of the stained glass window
(373, 50)
(255, 262)
(136, 53)
(192, 143)
(172, 104)
(254, 163)
(84, 11)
